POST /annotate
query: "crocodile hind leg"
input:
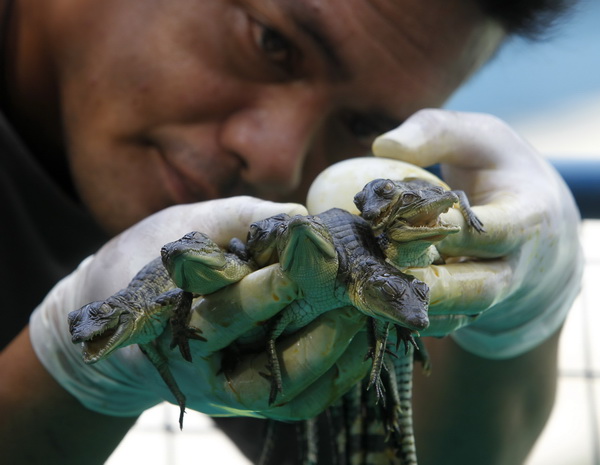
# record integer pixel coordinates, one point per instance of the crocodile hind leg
(378, 332)
(160, 363)
(296, 315)
(275, 376)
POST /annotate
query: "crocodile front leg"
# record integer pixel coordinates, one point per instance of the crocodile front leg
(181, 332)
(296, 315)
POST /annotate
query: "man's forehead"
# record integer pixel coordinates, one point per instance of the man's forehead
(397, 28)
(316, 23)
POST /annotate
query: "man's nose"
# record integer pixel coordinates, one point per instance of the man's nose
(274, 134)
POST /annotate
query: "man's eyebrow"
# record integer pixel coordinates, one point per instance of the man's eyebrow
(312, 27)
(317, 33)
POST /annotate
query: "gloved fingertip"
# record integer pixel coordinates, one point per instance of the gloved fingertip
(383, 147)
(402, 143)
(267, 208)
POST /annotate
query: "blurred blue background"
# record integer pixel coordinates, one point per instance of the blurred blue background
(548, 90)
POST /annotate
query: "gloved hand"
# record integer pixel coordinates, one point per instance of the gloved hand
(524, 271)
(126, 383)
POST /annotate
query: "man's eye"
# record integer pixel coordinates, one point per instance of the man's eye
(362, 127)
(274, 46)
(366, 127)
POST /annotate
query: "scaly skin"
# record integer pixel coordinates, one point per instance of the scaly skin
(261, 242)
(197, 264)
(406, 217)
(139, 313)
(335, 261)
(368, 430)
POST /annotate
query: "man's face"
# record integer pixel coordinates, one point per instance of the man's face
(174, 101)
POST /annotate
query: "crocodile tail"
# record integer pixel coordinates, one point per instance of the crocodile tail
(266, 453)
(403, 435)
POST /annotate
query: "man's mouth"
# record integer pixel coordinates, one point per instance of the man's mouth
(187, 185)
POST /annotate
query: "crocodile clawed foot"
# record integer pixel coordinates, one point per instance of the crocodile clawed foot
(181, 332)
(391, 418)
(392, 412)
(391, 421)
(476, 224)
(181, 339)
(276, 389)
(405, 335)
(160, 362)
(420, 353)
(378, 332)
(379, 392)
(375, 380)
(469, 215)
(181, 413)
(472, 220)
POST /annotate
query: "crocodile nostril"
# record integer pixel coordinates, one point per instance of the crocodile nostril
(419, 321)
(359, 200)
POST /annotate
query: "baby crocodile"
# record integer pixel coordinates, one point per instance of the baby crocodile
(139, 313)
(405, 215)
(335, 261)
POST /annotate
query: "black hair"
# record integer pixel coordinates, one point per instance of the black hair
(531, 19)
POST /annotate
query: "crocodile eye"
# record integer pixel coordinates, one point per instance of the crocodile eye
(253, 231)
(92, 309)
(385, 188)
(422, 290)
(409, 197)
(392, 290)
(190, 237)
(96, 309)
(279, 218)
